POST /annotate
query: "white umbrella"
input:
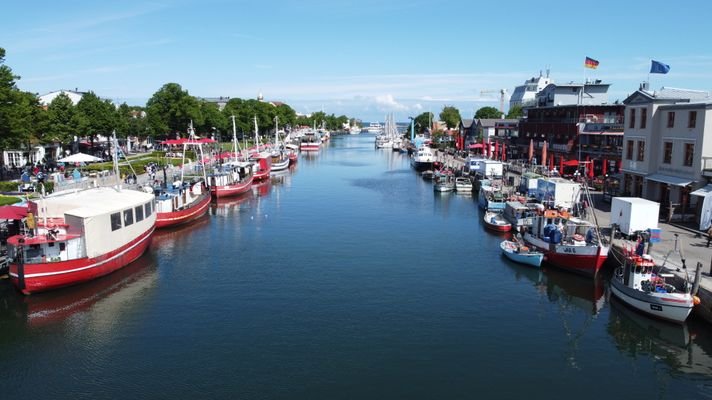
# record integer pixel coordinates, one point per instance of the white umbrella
(79, 158)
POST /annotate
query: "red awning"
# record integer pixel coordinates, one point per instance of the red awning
(13, 212)
(174, 142)
(570, 163)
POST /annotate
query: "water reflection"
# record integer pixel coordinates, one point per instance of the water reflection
(180, 235)
(678, 346)
(101, 302)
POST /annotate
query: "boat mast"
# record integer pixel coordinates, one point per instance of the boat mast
(235, 145)
(276, 130)
(257, 135)
(116, 159)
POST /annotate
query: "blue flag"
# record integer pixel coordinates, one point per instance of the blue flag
(659, 68)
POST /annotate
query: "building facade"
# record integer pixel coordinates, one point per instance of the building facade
(665, 149)
(573, 134)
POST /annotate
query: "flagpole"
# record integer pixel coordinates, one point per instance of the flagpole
(649, 85)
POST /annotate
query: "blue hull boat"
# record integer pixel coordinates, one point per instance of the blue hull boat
(521, 254)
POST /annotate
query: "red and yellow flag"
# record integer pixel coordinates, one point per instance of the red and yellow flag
(591, 63)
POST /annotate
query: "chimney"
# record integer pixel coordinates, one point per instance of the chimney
(644, 86)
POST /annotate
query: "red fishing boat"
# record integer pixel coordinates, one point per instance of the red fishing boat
(262, 166)
(231, 179)
(234, 177)
(568, 243)
(79, 236)
(496, 222)
(180, 204)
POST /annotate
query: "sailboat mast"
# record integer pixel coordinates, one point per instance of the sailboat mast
(257, 136)
(276, 130)
(234, 137)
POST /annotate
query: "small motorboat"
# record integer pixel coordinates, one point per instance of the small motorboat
(463, 184)
(496, 222)
(428, 175)
(639, 286)
(444, 183)
(520, 253)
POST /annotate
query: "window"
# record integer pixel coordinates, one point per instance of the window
(128, 217)
(667, 153)
(689, 153)
(631, 118)
(147, 209)
(139, 213)
(641, 150)
(115, 221)
(693, 119)
(643, 117)
(629, 150)
(671, 119)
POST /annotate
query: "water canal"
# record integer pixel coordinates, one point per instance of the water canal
(345, 278)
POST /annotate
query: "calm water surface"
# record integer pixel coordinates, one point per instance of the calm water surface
(345, 278)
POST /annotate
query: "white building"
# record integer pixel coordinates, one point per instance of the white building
(73, 95)
(525, 95)
(665, 151)
(588, 93)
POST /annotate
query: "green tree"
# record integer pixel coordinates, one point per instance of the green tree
(214, 122)
(515, 112)
(95, 116)
(488, 113)
(62, 120)
(423, 122)
(131, 121)
(20, 115)
(171, 109)
(451, 116)
(287, 115)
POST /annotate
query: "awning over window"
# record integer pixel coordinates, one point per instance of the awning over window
(670, 180)
(703, 192)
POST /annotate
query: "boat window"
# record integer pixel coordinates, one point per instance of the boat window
(62, 246)
(115, 221)
(33, 252)
(147, 209)
(128, 217)
(139, 213)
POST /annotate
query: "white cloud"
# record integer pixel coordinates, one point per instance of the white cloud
(388, 103)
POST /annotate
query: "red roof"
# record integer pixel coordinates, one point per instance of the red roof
(187, 141)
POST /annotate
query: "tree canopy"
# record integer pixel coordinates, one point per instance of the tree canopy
(423, 121)
(20, 117)
(451, 116)
(515, 112)
(488, 112)
(171, 109)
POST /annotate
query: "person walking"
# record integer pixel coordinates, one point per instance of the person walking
(709, 236)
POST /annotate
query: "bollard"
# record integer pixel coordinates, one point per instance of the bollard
(696, 284)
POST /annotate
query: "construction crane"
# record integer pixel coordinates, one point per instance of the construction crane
(502, 96)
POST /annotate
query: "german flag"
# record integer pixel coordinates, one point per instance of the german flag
(591, 63)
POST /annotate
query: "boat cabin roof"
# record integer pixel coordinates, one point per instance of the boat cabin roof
(39, 239)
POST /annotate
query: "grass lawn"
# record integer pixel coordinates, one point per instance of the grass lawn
(6, 200)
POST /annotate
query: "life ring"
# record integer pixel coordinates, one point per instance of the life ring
(551, 214)
(578, 237)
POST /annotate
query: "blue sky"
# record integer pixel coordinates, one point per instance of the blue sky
(361, 58)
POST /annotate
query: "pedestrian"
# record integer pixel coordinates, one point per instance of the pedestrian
(709, 236)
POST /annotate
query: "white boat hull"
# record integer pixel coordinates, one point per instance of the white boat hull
(674, 307)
